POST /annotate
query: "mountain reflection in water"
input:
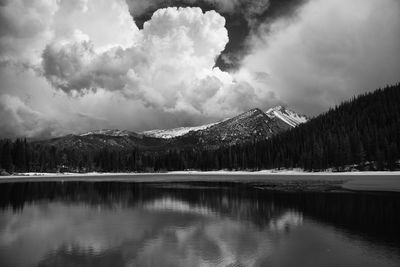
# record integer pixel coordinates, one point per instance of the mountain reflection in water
(196, 224)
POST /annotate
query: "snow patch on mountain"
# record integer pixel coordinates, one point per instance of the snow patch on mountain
(108, 132)
(290, 117)
(171, 133)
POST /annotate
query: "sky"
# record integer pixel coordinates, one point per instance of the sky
(70, 66)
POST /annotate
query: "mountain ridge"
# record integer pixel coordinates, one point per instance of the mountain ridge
(286, 115)
(251, 125)
(362, 133)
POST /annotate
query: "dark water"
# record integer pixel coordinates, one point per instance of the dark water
(196, 224)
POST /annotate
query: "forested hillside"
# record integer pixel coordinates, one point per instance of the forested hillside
(363, 132)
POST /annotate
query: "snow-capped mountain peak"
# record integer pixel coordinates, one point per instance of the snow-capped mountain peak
(286, 118)
(252, 125)
(290, 117)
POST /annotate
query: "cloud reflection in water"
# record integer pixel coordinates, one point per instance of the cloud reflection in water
(149, 226)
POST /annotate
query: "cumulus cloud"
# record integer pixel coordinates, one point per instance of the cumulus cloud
(28, 26)
(25, 22)
(331, 51)
(106, 23)
(169, 67)
(75, 66)
(17, 119)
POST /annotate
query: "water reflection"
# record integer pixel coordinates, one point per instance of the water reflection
(201, 224)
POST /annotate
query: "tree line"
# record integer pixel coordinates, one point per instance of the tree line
(363, 132)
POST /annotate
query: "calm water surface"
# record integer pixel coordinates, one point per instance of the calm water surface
(193, 224)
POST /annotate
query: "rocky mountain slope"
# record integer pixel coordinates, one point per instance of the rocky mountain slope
(279, 118)
(286, 115)
(110, 139)
(252, 125)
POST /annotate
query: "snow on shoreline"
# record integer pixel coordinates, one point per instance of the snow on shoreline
(193, 172)
(379, 181)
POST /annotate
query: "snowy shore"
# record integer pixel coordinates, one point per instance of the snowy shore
(219, 172)
(358, 181)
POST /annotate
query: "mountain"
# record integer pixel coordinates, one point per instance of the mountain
(252, 125)
(362, 133)
(110, 139)
(248, 126)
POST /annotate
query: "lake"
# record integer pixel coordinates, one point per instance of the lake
(104, 223)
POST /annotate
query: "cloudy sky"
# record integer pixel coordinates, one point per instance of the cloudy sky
(67, 66)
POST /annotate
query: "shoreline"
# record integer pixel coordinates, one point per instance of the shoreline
(287, 180)
(194, 172)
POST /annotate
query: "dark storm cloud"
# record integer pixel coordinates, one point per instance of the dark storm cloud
(243, 17)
